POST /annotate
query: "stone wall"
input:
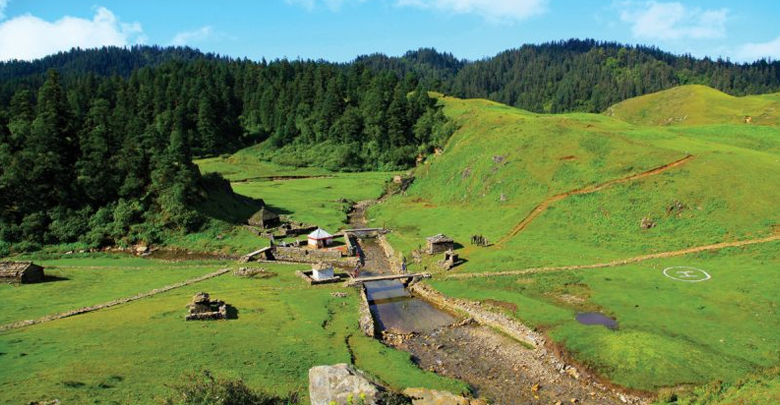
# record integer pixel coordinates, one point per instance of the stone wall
(301, 255)
(366, 319)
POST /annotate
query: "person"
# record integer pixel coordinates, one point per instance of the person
(403, 267)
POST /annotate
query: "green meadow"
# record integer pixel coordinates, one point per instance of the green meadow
(131, 353)
(496, 169)
(504, 162)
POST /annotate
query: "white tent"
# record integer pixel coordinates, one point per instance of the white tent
(319, 238)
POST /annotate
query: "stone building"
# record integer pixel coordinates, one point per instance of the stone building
(21, 272)
(438, 244)
(265, 218)
(322, 271)
(320, 239)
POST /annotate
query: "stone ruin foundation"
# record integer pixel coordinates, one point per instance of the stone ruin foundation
(203, 308)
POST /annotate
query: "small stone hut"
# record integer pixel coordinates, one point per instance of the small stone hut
(322, 271)
(265, 218)
(438, 244)
(21, 272)
(320, 239)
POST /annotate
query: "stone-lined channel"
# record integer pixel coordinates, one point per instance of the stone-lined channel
(494, 365)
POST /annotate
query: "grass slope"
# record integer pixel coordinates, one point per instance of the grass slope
(503, 162)
(698, 105)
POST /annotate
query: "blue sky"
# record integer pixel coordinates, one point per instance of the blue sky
(340, 30)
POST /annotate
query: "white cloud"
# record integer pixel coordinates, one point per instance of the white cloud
(753, 51)
(27, 37)
(310, 5)
(491, 10)
(188, 37)
(669, 21)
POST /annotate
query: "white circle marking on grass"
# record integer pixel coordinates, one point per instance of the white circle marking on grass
(687, 274)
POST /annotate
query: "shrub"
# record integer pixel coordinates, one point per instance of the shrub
(203, 388)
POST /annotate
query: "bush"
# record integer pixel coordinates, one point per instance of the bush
(204, 389)
(5, 248)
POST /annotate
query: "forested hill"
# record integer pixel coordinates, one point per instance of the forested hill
(577, 75)
(97, 145)
(101, 156)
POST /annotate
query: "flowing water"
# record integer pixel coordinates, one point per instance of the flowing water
(395, 309)
(495, 366)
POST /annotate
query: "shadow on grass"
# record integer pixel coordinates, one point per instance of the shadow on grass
(49, 279)
(278, 210)
(232, 312)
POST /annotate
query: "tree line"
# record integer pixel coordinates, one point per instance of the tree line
(103, 158)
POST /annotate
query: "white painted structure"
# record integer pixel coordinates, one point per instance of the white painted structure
(322, 271)
(320, 239)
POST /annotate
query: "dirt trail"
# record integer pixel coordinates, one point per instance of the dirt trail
(587, 190)
(636, 259)
(109, 304)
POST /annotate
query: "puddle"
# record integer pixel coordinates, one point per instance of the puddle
(595, 318)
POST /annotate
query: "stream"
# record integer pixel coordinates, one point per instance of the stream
(496, 367)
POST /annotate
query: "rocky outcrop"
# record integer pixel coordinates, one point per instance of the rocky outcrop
(341, 384)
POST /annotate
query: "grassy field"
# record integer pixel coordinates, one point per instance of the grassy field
(504, 162)
(497, 168)
(670, 332)
(127, 354)
(698, 105)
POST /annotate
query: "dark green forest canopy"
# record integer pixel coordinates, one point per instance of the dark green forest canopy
(96, 145)
(101, 158)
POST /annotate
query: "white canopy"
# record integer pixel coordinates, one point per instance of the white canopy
(320, 234)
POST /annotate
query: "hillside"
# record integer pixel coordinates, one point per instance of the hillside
(562, 199)
(698, 105)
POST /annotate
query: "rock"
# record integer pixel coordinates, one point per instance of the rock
(573, 372)
(339, 384)
(424, 396)
(141, 249)
(478, 401)
(646, 223)
(574, 400)
(536, 387)
(338, 294)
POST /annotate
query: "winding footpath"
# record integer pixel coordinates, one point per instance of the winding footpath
(587, 190)
(621, 262)
(84, 310)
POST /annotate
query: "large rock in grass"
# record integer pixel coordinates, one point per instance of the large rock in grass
(341, 384)
(423, 396)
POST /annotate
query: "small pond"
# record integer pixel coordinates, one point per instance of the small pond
(595, 318)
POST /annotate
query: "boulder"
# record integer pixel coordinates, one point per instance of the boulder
(340, 384)
(424, 396)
